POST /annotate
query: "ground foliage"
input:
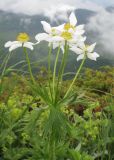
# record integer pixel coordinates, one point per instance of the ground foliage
(83, 129)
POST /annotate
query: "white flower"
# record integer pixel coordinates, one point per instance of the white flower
(64, 32)
(22, 41)
(71, 33)
(72, 27)
(77, 41)
(52, 33)
(85, 50)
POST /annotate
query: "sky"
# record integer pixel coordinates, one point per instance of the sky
(32, 7)
(104, 2)
(102, 23)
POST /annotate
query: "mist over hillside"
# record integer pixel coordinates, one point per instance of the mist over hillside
(11, 24)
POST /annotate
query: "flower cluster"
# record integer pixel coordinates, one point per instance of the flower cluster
(69, 33)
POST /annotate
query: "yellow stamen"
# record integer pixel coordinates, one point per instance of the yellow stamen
(66, 35)
(53, 32)
(86, 47)
(23, 37)
(68, 26)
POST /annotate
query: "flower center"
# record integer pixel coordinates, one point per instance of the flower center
(86, 47)
(23, 37)
(66, 35)
(68, 26)
(53, 32)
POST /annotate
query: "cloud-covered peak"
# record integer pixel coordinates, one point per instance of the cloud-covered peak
(102, 24)
(49, 7)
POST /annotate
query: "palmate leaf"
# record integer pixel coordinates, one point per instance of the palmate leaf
(17, 153)
(3, 59)
(1, 88)
(62, 149)
(31, 121)
(76, 155)
(43, 92)
(65, 100)
(56, 124)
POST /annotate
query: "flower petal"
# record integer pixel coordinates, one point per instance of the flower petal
(82, 39)
(36, 43)
(71, 30)
(80, 27)
(41, 37)
(46, 26)
(60, 27)
(56, 39)
(55, 45)
(15, 45)
(28, 45)
(62, 48)
(31, 43)
(9, 43)
(93, 56)
(81, 56)
(79, 32)
(76, 50)
(81, 45)
(72, 18)
(91, 47)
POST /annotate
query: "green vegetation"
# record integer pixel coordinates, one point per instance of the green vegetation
(84, 126)
(53, 115)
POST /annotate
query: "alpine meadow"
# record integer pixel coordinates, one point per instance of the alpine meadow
(56, 80)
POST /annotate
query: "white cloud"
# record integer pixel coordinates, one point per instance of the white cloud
(103, 25)
(54, 9)
(48, 7)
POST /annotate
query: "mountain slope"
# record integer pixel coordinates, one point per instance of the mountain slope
(11, 24)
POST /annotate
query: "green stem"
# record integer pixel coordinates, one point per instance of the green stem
(29, 66)
(65, 59)
(5, 65)
(62, 67)
(81, 65)
(53, 151)
(54, 72)
(49, 60)
(52, 144)
(49, 69)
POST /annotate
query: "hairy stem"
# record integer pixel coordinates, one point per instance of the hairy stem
(62, 67)
(49, 69)
(5, 64)
(54, 72)
(29, 66)
(77, 73)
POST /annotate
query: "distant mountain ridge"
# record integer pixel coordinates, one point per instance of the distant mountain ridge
(110, 9)
(17, 22)
(11, 24)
